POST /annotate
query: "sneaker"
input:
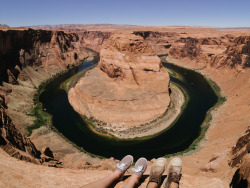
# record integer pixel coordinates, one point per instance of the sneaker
(125, 163)
(140, 167)
(157, 170)
(173, 172)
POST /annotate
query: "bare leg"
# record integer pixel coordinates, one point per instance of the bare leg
(134, 180)
(174, 185)
(106, 181)
(152, 185)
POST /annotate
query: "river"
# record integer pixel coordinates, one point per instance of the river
(177, 138)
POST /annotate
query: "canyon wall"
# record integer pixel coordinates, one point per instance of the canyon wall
(216, 49)
(93, 39)
(14, 142)
(47, 50)
(27, 58)
(236, 55)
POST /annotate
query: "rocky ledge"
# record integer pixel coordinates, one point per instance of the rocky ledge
(129, 87)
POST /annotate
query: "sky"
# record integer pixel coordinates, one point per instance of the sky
(211, 13)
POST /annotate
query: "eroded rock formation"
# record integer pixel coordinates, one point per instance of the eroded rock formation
(13, 142)
(191, 49)
(237, 54)
(27, 58)
(93, 39)
(241, 158)
(223, 50)
(128, 87)
(48, 50)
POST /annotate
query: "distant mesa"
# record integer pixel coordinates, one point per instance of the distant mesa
(3, 26)
(129, 87)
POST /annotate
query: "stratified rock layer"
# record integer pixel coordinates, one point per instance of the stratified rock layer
(50, 51)
(237, 54)
(128, 87)
(13, 142)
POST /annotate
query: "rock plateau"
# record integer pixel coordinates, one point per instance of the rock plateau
(129, 86)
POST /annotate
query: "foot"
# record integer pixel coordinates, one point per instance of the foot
(140, 167)
(157, 170)
(173, 172)
(125, 163)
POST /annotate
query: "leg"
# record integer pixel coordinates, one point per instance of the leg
(106, 181)
(152, 185)
(174, 185)
(134, 180)
(138, 170)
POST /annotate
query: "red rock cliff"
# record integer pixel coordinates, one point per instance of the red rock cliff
(48, 50)
(13, 142)
(27, 58)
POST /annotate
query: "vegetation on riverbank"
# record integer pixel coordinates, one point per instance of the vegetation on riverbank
(207, 121)
(42, 118)
(69, 83)
(101, 128)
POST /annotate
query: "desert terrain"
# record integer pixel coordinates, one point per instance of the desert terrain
(29, 57)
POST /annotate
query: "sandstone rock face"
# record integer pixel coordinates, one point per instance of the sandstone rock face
(241, 149)
(27, 58)
(191, 49)
(220, 50)
(93, 39)
(240, 157)
(128, 87)
(237, 54)
(161, 42)
(48, 50)
(241, 177)
(15, 143)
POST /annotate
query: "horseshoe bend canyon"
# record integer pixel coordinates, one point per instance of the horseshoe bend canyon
(129, 87)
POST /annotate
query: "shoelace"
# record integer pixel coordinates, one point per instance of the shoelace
(138, 169)
(121, 166)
